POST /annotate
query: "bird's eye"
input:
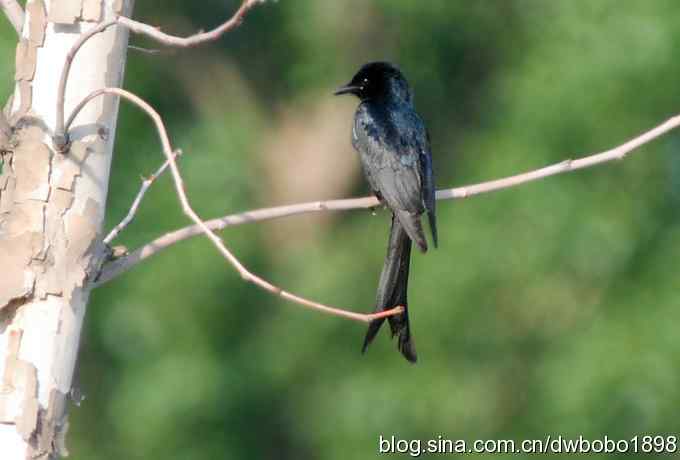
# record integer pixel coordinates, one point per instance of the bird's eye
(365, 82)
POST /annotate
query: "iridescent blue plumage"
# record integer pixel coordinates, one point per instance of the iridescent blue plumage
(394, 148)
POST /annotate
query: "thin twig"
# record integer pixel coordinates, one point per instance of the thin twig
(193, 40)
(144, 50)
(219, 244)
(14, 13)
(115, 268)
(60, 130)
(60, 139)
(146, 183)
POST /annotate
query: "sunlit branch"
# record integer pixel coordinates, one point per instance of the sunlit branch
(114, 268)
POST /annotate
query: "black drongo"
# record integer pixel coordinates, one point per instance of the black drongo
(394, 147)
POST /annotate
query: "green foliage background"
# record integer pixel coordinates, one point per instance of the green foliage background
(552, 308)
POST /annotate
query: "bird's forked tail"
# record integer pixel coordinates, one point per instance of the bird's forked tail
(392, 292)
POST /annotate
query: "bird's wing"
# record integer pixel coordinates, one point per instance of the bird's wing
(429, 190)
(392, 164)
(392, 167)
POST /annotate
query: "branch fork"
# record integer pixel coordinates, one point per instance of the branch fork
(60, 137)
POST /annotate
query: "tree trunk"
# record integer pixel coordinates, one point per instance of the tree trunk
(51, 213)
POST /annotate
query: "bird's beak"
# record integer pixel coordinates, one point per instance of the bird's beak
(347, 89)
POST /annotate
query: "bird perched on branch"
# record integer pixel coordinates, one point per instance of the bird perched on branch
(394, 147)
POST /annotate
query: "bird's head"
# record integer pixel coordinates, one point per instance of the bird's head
(377, 81)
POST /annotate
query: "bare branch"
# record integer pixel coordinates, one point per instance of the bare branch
(115, 268)
(146, 183)
(14, 13)
(616, 153)
(60, 138)
(193, 40)
(219, 244)
(143, 50)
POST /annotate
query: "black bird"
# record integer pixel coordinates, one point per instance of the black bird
(394, 147)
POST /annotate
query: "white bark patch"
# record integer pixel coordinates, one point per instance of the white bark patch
(25, 60)
(64, 11)
(44, 318)
(18, 395)
(92, 10)
(25, 99)
(25, 385)
(36, 22)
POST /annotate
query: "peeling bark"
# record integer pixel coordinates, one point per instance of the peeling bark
(5, 133)
(51, 212)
